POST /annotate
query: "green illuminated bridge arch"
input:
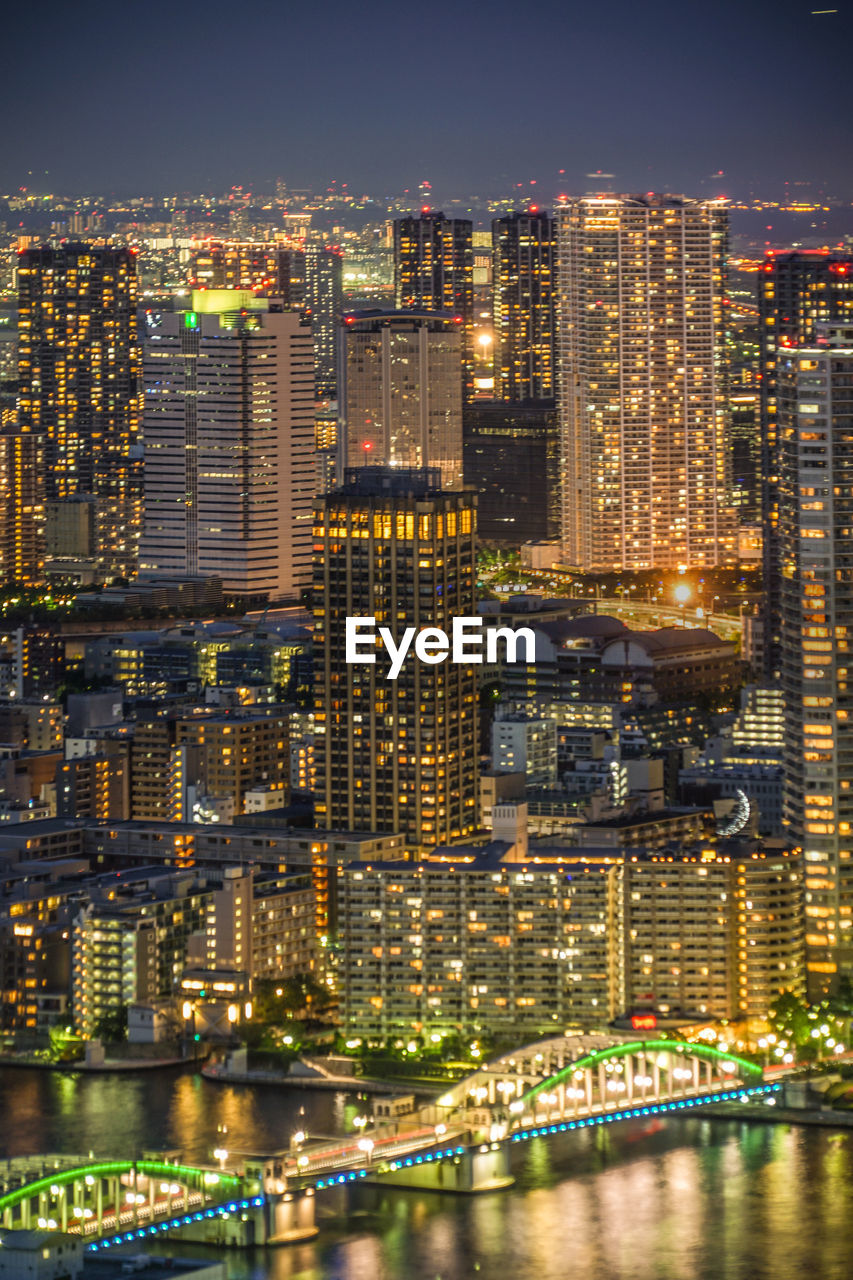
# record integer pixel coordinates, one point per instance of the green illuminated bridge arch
(97, 1198)
(582, 1073)
(182, 1173)
(640, 1048)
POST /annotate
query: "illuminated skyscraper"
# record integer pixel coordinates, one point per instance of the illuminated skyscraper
(264, 268)
(814, 405)
(324, 302)
(796, 291)
(22, 511)
(401, 397)
(523, 277)
(642, 379)
(229, 444)
(394, 755)
(80, 386)
(434, 271)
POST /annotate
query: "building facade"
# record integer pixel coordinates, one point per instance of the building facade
(22, 507)
(401, 399)
(80, 386)
(229, 444)
(714, 933)
(642, 375)
(394, 755)
(434, 271)
(523, 293)
(511, 457)
(815, 425)
(796, 292)
(324, 303)
(480, 945)
(261, 268)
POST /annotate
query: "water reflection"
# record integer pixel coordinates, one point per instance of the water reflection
(117, 1114)
(673, 1200)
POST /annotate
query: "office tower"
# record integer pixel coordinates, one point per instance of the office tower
(262, 268)
(324, 303)
(394, 755)
(523, 246)
(796, 291)
(80, 386)
(642, 382)
(401, 399)
(434, 271)
(21, 507)
(229, 444)
(745, 453)
(815, 426)
(511, 455)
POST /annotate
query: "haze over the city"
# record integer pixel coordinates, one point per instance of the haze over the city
(478, 97)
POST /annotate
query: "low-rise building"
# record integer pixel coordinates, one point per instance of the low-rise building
(526, 745)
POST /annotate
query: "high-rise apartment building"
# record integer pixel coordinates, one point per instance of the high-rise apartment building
(814, 401)
(394, 755)
(401, 398)
(488, 939)
(79, 372)
(642, 375)
(796, 292)
(229, 444)
(483, 944)
(434, 271)
(261, 268)
(324, 303)
(22, 508)
(523, 275)
(715, 933)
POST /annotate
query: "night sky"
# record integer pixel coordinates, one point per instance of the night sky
(152, 97)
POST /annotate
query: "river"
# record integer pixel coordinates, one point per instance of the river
(685, 1199)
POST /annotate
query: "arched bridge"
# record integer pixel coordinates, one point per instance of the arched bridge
(117, 1199)
(459, 1143)
(573, 1076)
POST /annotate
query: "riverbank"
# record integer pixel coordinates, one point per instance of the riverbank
(219, 1073)
(755, 1113)
(96, 1068)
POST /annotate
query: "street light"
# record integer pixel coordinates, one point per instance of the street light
(221, 1155)
(366, 1145)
